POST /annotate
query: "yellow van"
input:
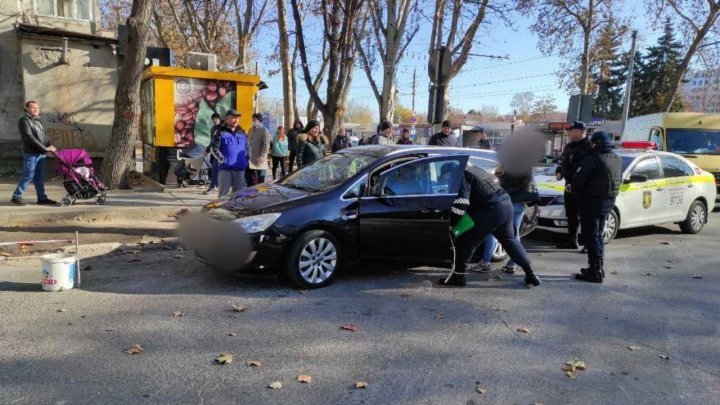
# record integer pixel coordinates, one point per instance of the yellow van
(696, 136)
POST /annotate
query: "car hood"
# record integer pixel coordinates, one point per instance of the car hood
(549, 185)
(251, 201)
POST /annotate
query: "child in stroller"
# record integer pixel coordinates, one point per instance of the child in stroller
(193, 167)
(80, 181)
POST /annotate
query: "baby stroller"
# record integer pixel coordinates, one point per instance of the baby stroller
(193, 167)
(80, 181)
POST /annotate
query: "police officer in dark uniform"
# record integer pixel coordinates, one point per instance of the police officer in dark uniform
(491, 210)
(596, 184)
(572, 155)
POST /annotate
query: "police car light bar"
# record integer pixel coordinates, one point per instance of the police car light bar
(638, 145)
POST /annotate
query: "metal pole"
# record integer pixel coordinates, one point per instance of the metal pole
(414, 117)
(77, 257)
(628, 85)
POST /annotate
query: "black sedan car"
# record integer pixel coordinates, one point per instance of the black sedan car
(359, 204)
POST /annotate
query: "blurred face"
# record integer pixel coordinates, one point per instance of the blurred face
(341, 132)
(216, 120)
(231, 121)
(483, 136)
(33, 109)
(406, 134)
(298, 125)
(577, 134)
(257, 122)
(446, 130)
(387, 132)
(314, 131)
(281, 131)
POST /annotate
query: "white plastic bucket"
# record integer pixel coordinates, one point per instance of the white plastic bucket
(58, 272)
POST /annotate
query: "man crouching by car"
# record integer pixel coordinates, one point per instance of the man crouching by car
(491, 209)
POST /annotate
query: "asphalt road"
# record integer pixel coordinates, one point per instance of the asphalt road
(415, 342)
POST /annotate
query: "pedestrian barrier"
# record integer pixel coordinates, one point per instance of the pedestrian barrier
(59, 271)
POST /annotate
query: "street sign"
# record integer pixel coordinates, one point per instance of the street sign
(266, 120)
(597, 122)
(439, 64)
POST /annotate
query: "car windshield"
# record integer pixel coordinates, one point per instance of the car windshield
(330, 171)
(694, 141)
(626, 160)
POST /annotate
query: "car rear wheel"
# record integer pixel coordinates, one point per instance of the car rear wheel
(315, 258)
(696, 218)
(611, 227)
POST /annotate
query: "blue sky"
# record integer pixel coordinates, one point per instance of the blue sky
(482, 80)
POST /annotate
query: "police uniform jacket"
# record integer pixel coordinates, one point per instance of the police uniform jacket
(479, 190)
(599, 175)
(572, 155)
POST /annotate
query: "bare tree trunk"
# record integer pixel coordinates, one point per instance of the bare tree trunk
(287, 68)
(585, 65)
(126, 122)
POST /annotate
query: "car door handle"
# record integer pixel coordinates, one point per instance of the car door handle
(352, 214)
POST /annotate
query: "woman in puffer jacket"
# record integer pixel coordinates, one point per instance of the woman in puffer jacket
(311, 144)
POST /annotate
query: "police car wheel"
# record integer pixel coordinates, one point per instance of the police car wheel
(611, 227)
(315, 258)
(696, 218)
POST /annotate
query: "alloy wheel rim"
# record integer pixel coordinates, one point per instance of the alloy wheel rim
(697, 218)
(317, 260)
(609, 228)
(499, 250)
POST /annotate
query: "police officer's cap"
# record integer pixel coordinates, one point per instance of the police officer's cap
(602, 138)
(577, 125)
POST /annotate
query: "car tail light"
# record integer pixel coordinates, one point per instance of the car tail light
(638, 145)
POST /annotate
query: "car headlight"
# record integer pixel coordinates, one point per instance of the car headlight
(559, 200)
(257, 223)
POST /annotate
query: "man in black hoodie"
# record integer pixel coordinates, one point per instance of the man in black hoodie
(597, 184)
(293, 143)
(442, 138)
(573, 153)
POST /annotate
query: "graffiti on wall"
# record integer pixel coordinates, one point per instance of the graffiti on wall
(195, 102)
(65, 132)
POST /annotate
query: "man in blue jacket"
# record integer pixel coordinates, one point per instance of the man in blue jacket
(233, 151)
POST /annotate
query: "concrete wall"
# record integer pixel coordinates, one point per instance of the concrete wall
(77, 98)
(11, 91)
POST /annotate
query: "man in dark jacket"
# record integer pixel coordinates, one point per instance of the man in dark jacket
(572, 155)
(341, 141)
(442, 138)
(484, 143)
(35, 144)
(384, 135)
(217, 124)
(491, 210)
(293, 143)
(597, 184)
(405, 138)
(233, 152)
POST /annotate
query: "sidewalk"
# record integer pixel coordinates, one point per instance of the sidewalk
(129, 204)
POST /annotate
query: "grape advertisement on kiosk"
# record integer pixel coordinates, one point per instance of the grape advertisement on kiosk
(195, 102)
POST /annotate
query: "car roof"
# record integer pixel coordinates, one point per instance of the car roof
(388, 150)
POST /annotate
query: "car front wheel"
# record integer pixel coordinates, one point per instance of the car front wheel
(696, 218)
(315, 258)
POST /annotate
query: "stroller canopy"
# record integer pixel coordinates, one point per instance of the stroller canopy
(74, 157)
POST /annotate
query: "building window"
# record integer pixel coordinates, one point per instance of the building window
(75, 9)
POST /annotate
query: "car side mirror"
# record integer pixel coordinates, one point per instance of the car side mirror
(636, 178)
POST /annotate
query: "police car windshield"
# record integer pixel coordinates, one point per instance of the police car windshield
(626, 160)
(694, 141)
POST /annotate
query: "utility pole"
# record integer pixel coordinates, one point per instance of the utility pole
(628, 85)
(413, 131)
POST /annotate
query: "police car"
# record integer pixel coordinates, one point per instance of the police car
(657, 188)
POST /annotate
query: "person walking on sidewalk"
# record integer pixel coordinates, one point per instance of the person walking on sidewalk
(442, 138)
(217, 124)
(573, 153)
(341, 141)
(259, 138)
(597, 184)
(311, 144)
(279, 152)
(233, 154)
(293, 143)
(35, 144)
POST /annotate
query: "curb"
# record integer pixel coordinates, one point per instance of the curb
(100, 212)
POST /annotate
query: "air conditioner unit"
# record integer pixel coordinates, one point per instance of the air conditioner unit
(201, 61)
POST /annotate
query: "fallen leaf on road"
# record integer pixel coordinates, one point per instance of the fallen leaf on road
(109, 329)
(135, 349)
(633, 348)
(303, 291)
(179, 256)
(351, 327)
(177, 314)
(61, 310)
(304, 378)
(498, 278)
(541, 254)
(482, 391)
(224, 358)
(361, 384)
(232, 334)
(665, 243)
(496, 309)
(650, 274)
(669, 267)
(134, 260)
(522, 330)
(665, 357)
(254, 363)
(406, 294)
(697, 276)
(275, 385)
(573, 365)
(571, 374)
(439, 316)
(614, 272)
(238, 308)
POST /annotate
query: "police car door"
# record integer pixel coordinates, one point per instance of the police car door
(640, 194)
(677, 179)
(406, 214)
